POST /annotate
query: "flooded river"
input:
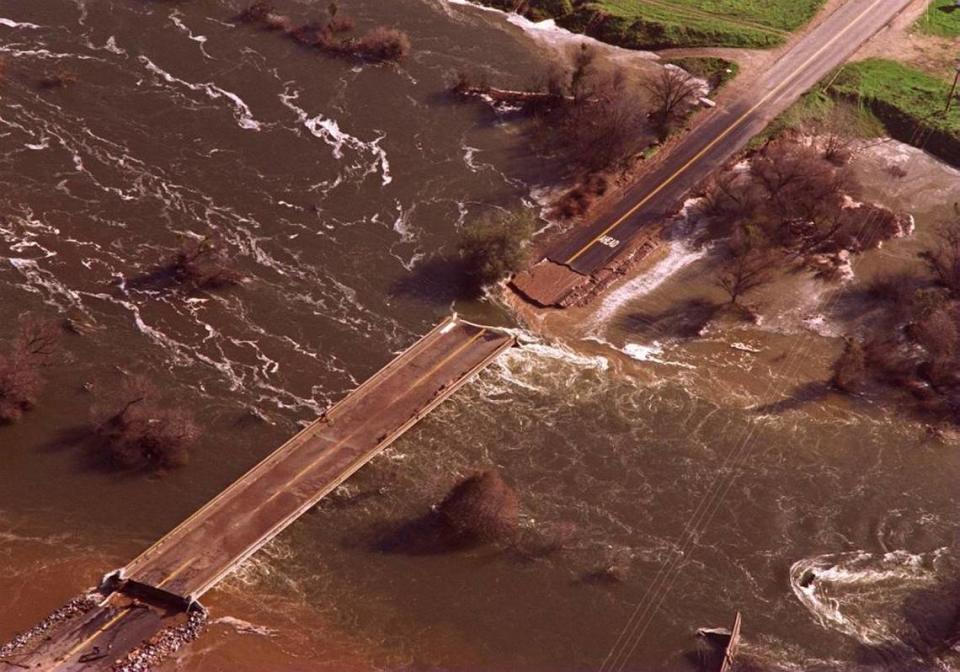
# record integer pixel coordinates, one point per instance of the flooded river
(339, 188)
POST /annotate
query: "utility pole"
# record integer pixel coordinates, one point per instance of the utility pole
(953, 89)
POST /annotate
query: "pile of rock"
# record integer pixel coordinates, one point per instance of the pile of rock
(72, 609)
(163, 645)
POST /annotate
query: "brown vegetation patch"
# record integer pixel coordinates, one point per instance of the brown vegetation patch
(793, 203)
(381, 43)
(136, 429)
(914, 353)
(56, 80)
(481, 508)
(33, 348)
(203, 264)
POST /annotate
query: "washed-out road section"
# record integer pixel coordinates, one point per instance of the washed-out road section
(573, 262)
(161, 584)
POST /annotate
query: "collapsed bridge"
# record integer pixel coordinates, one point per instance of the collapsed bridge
(162, 586)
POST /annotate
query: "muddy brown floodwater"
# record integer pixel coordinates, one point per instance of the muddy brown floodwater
(339, 188)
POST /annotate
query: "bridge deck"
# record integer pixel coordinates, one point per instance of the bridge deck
(193, 557)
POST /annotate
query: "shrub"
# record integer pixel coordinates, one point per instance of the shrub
(887, 360)
(203, 264)
(850, 369)
(495, 247)
(937, 334)
(380, 44)
(539, 10)
(140, 431)
(481, 508)
(943, 262)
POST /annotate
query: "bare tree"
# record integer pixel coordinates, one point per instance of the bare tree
(749, 268)
(672, 92)
(601, 121)
(944, 261)
(256, 12)
(137, 429)
(33, 348)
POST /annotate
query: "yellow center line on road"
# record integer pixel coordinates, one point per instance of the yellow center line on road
(446, 359)
(288, 445)
(773, 92)
(415, 384)
(76, 649)
(175, 573)
(351, 469)
(339, 443)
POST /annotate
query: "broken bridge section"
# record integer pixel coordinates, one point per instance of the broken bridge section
(158, 588)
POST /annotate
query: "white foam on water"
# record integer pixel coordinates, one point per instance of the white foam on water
(43, 144)
(643, 353)
(43, 282)
(112, 47)
(678, 257)
(243, 627)
(10, 23)
(539, 366)
(241, 111)
(550, 33)
(44, 54)
(401, 224)
(200, 39)
(328, 130)
(469, 156)
(860, 593)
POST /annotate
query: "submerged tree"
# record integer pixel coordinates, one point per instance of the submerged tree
(202, 264)
(943, 261)
(496, 246)
(749, 267)
(379, 44)
(33, 348)
(850, 369)
(138, 430)
(481, 508)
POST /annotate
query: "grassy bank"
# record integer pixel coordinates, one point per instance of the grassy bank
(659, 24)
(890, 87)
(888, 98)
(941, 19)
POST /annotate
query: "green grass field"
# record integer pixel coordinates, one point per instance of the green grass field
(891, 86)
(942, 19)
(658, 24)
(785, 15)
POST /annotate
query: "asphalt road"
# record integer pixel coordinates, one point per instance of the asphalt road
(203, 549)
(724, 132)
(253, 510)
